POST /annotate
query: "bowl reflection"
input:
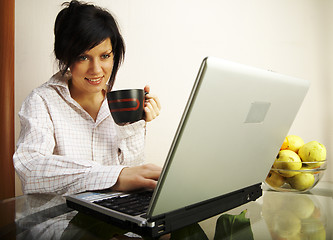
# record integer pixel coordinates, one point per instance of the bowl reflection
(293, 216)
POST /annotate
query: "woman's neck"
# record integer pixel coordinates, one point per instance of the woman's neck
(91, 103)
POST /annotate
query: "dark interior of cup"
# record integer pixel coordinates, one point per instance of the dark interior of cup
(126, 105)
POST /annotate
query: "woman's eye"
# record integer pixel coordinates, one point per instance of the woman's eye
(82, 58)
(106, 56)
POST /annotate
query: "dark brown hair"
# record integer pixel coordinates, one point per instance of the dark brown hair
(80, 27)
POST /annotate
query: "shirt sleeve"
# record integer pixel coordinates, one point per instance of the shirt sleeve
(40, 170)
(131, 143)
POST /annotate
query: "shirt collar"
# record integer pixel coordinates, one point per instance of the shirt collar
(60, 79)
(60, 82)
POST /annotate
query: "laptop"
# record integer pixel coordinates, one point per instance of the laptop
(233, 125)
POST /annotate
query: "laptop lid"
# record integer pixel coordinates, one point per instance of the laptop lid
(232, 127)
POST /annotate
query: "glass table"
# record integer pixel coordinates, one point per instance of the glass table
(275, 215)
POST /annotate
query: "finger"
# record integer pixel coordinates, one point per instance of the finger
(148, 183)
(148, 115)
(152, 167)
(147, 88)
(152, 175)
(151, 110)
(155, 107)
(155, 98)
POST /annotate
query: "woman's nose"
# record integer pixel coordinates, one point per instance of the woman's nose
(95, 67)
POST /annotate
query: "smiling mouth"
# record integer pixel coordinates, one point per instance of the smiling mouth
(94, 80)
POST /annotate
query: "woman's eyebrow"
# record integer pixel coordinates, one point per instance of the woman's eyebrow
(104, 52)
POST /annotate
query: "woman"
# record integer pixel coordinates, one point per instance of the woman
(69, 142)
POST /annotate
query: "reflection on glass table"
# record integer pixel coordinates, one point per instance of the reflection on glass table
(275, 215)
(294, 216)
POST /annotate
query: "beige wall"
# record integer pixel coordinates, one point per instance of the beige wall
(166, 41)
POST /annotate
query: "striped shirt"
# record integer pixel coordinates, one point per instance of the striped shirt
(62, 149)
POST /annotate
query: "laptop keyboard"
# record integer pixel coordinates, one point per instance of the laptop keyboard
(132, 204)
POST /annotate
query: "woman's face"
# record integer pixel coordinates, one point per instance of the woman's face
(92, 70)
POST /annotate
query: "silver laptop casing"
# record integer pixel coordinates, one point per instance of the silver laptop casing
(232, 128)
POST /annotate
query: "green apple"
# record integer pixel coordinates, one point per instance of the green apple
(287, 160)
(313, 152)
(302, 181)
(274, 179)
(293, 143)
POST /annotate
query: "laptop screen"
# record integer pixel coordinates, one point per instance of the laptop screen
(232, 128)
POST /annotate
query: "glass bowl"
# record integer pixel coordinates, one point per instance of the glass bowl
(301, 180)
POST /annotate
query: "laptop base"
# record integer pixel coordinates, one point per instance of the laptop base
(175, 220)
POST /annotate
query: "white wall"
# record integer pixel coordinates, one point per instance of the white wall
(166, 41)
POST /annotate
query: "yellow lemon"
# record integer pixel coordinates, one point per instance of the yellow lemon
(287, 160)
(293, 143)
(302, 181)
(313, 152)
(274, 179)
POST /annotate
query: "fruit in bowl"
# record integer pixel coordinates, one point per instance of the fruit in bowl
(298, 166)
(287, 160)
(302, 181)
(293, 143)
(313, 152)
